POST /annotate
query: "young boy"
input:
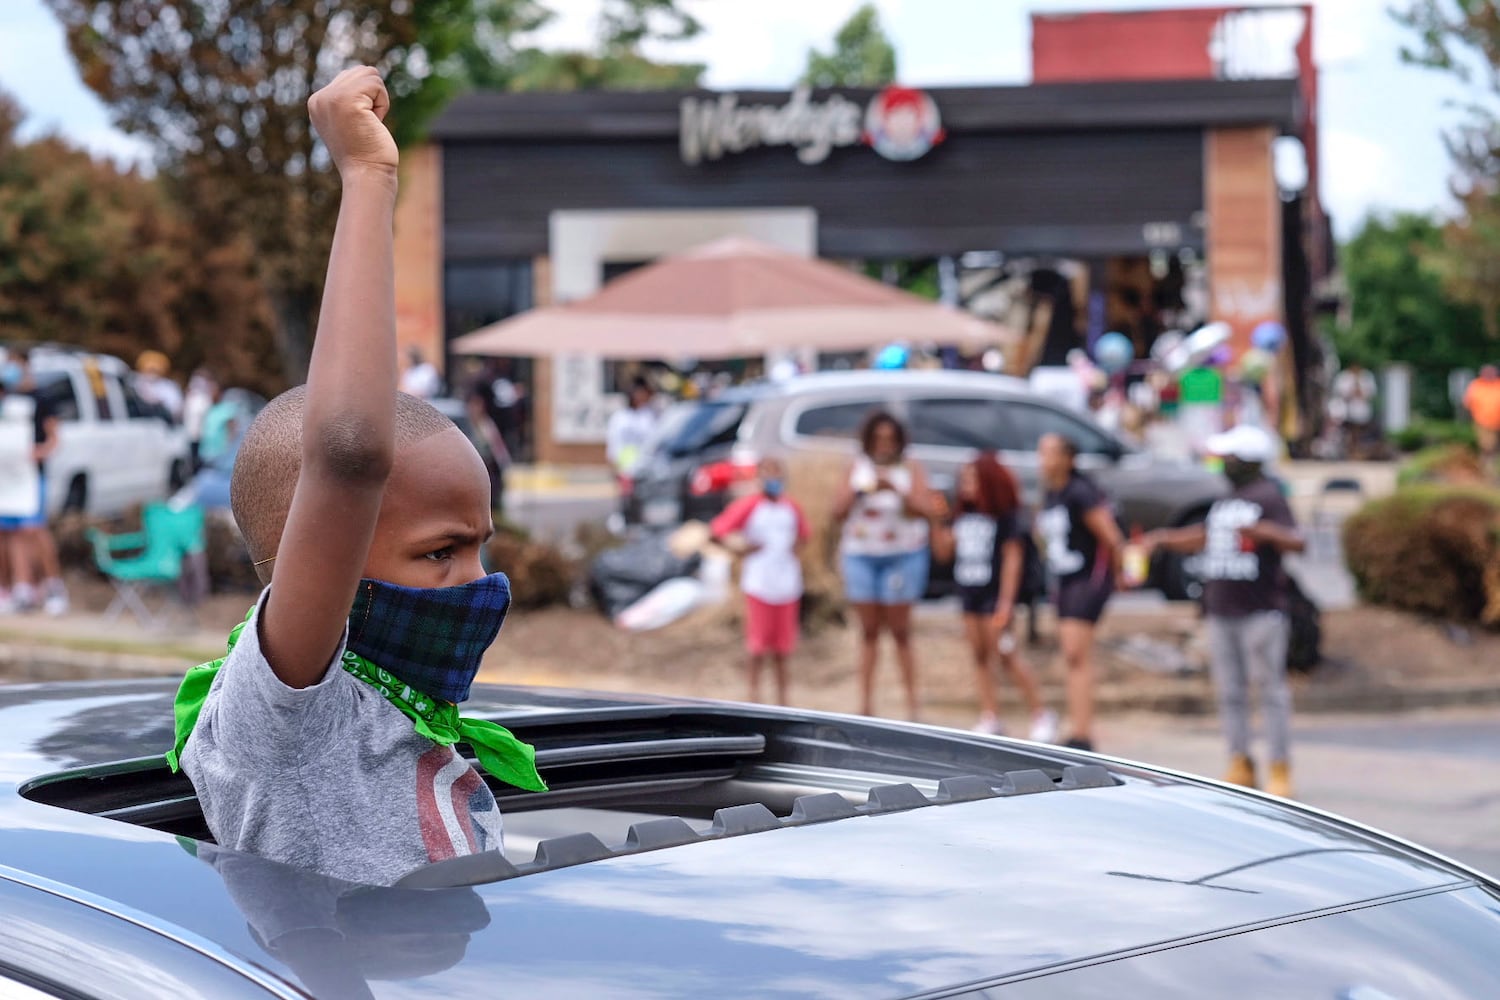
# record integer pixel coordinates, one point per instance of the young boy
(324, 739)
(772, 528)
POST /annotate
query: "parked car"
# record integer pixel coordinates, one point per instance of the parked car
(703, 452)
(114, 450)
(691, 849)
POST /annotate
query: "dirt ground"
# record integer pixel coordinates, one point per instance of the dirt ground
(701, 657)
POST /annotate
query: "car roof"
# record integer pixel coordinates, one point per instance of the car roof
(55, 357)
(843, 382)
(908, 895)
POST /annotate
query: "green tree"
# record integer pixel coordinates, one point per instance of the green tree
(220, 90)
(1401, 311)
(490, 59)
(536, 69)
(1462, 37)
(862, 55)
(99, 257)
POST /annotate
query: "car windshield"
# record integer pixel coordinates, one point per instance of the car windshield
(691, 427)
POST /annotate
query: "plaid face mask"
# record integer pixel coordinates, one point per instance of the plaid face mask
(433, 638)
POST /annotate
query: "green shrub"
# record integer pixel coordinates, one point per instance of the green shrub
(1426, 432)
(540, 574)
(1450, 463)
(1431, 549)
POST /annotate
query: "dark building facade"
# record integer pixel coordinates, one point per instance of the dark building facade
(539, 195)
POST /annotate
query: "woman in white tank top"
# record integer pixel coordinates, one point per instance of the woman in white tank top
(885, 507)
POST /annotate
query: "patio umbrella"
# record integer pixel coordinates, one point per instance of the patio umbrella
(732, 298)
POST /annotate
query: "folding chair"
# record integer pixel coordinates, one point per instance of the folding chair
(169, 540)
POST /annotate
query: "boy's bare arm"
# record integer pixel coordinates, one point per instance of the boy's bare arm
(348, 431)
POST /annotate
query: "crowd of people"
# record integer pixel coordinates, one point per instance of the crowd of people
(893, 525)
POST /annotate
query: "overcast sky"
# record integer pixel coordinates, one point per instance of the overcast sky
(1381, 120)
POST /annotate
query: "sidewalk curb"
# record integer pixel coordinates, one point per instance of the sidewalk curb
(35, 662)
(1197, 698)
(22, 662)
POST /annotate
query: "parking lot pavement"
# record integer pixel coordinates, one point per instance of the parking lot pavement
(1431, 777)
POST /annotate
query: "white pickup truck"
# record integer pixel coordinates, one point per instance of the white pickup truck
(114, 451)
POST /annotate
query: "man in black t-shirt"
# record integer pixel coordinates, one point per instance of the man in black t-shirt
(1245, 594)
(1082, 544)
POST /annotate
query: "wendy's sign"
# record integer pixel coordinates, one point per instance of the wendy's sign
(899, 123)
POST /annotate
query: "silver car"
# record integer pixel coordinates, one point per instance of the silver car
(702, 451)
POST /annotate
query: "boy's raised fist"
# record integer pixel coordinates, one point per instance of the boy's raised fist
(349, 115)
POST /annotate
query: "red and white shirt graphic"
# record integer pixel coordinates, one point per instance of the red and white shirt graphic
(456, 812)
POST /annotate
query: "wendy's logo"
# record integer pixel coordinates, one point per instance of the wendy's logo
(902, 123)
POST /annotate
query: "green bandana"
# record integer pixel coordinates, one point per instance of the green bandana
(499, 752)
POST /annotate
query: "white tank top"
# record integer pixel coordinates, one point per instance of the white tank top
(877, 525)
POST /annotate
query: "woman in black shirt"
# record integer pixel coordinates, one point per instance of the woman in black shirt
(1083, 544)
(982, 539)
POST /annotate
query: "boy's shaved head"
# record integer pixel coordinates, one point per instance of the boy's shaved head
(270, 458)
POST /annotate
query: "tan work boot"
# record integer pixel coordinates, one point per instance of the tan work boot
(1280, 781)
(1241, 771)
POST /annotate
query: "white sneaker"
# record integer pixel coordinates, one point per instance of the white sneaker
(989, 725)
(57, 598)
(23, 598)
(1043, 727)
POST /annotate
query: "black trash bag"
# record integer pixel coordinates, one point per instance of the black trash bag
(620, 577)
(1304, 648)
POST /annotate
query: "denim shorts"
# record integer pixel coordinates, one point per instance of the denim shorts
(893, 579)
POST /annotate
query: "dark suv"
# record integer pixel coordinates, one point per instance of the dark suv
(703, 452)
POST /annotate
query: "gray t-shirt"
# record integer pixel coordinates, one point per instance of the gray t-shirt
(332, 777)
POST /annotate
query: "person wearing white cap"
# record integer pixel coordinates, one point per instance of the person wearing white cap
(1245, 599)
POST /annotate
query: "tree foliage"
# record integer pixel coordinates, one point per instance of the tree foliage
(220, 91)
(862, 55)
(1401, 311)
(1462, 37)
(98, 257)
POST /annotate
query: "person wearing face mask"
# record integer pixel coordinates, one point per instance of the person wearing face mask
(1245, 594)
(769, 529)
(325, 737)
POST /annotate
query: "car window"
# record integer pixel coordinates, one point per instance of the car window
(958, 423)
(98, 389)
(135, 406)
(838, 420)
(694, 427)
(1027, 422)
(56, 388)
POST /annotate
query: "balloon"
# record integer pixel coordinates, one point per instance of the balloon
(1114, 352)
(1255, 365)
(1269, 336)
(892, 357)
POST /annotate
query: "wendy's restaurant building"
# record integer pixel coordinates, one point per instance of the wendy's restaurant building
(1160, 172)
